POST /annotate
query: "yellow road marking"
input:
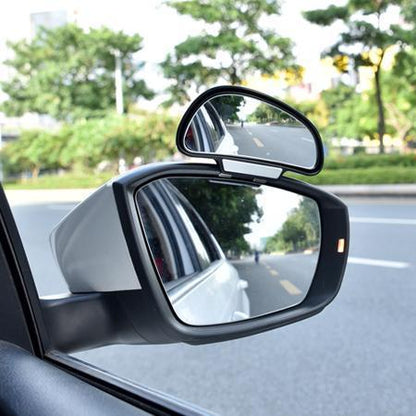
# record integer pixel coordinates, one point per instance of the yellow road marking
(290, 287)
(274, 273)
(258, 142)
(268, 266)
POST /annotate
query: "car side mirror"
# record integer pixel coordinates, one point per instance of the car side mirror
(239, 124)
(199, 253)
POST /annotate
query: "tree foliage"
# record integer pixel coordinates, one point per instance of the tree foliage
(226, 209)
(69, 73)
(364, 42)
(34, 150)
(233, 44)
(351, 115)
(300, 231)
(86, 143)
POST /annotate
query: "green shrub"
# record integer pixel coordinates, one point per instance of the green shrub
(368, 161)
(66, 181)
(356, 176)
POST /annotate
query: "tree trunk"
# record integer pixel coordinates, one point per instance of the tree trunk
(404, 133)
(234, 80)
(35, 173)
(381, 125)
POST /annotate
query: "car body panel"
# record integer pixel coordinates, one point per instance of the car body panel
(90, 247)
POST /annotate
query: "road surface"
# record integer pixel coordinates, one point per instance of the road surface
(277, 281)
(357, 357)
(291, 145)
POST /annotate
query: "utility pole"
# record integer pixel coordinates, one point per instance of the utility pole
(118, 78)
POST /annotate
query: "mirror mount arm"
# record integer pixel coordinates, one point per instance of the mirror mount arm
(79, 322)
(252, 169)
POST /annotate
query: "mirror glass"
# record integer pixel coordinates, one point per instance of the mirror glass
(227, 252)
(245, 126)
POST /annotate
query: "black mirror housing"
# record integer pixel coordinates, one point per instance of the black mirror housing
(146, 313)
(148, 308)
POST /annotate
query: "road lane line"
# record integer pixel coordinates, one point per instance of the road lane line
(378, 263)
(290, 287)
(258, 142)
(374, 220)
(307, 139)
(274, 273)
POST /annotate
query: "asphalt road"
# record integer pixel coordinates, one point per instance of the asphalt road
(277, 281)
(291, 145)
(355, 358)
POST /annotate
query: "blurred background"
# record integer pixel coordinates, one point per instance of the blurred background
(88, 89)
(91, 89)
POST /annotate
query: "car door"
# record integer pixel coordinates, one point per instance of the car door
(36, 380)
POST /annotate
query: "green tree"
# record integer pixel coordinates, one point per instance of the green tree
(69, 73)
(227, 210)
(149, 136)
(400, 94)
(300, 231)
(84, 144)
(228, 106)
(34, 150)
(351, 115)
(315, 110)
(364, 41)
(233, 45)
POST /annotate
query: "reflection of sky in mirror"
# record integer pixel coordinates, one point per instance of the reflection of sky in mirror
(248, 107)
(276, 205)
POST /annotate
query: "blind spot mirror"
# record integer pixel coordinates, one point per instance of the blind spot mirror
(249, 125)
(227, 252)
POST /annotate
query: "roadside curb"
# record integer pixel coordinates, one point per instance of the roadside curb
(41, 196)
(396, 190)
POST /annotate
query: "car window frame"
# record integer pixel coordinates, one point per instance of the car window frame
(27, 317)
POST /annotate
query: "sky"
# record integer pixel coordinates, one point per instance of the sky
(162, 28)
(276, 205)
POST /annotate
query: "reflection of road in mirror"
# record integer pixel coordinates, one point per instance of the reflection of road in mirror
(233, 124)
(287, 144)
(203, 235)
(277, 280)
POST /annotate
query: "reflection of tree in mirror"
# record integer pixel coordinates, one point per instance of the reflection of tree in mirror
(226, 209)
(299, 232)
(265, 113)
(228, 107)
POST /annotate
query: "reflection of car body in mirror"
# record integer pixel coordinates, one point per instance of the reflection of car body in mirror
(208, 133)
(201, 284)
